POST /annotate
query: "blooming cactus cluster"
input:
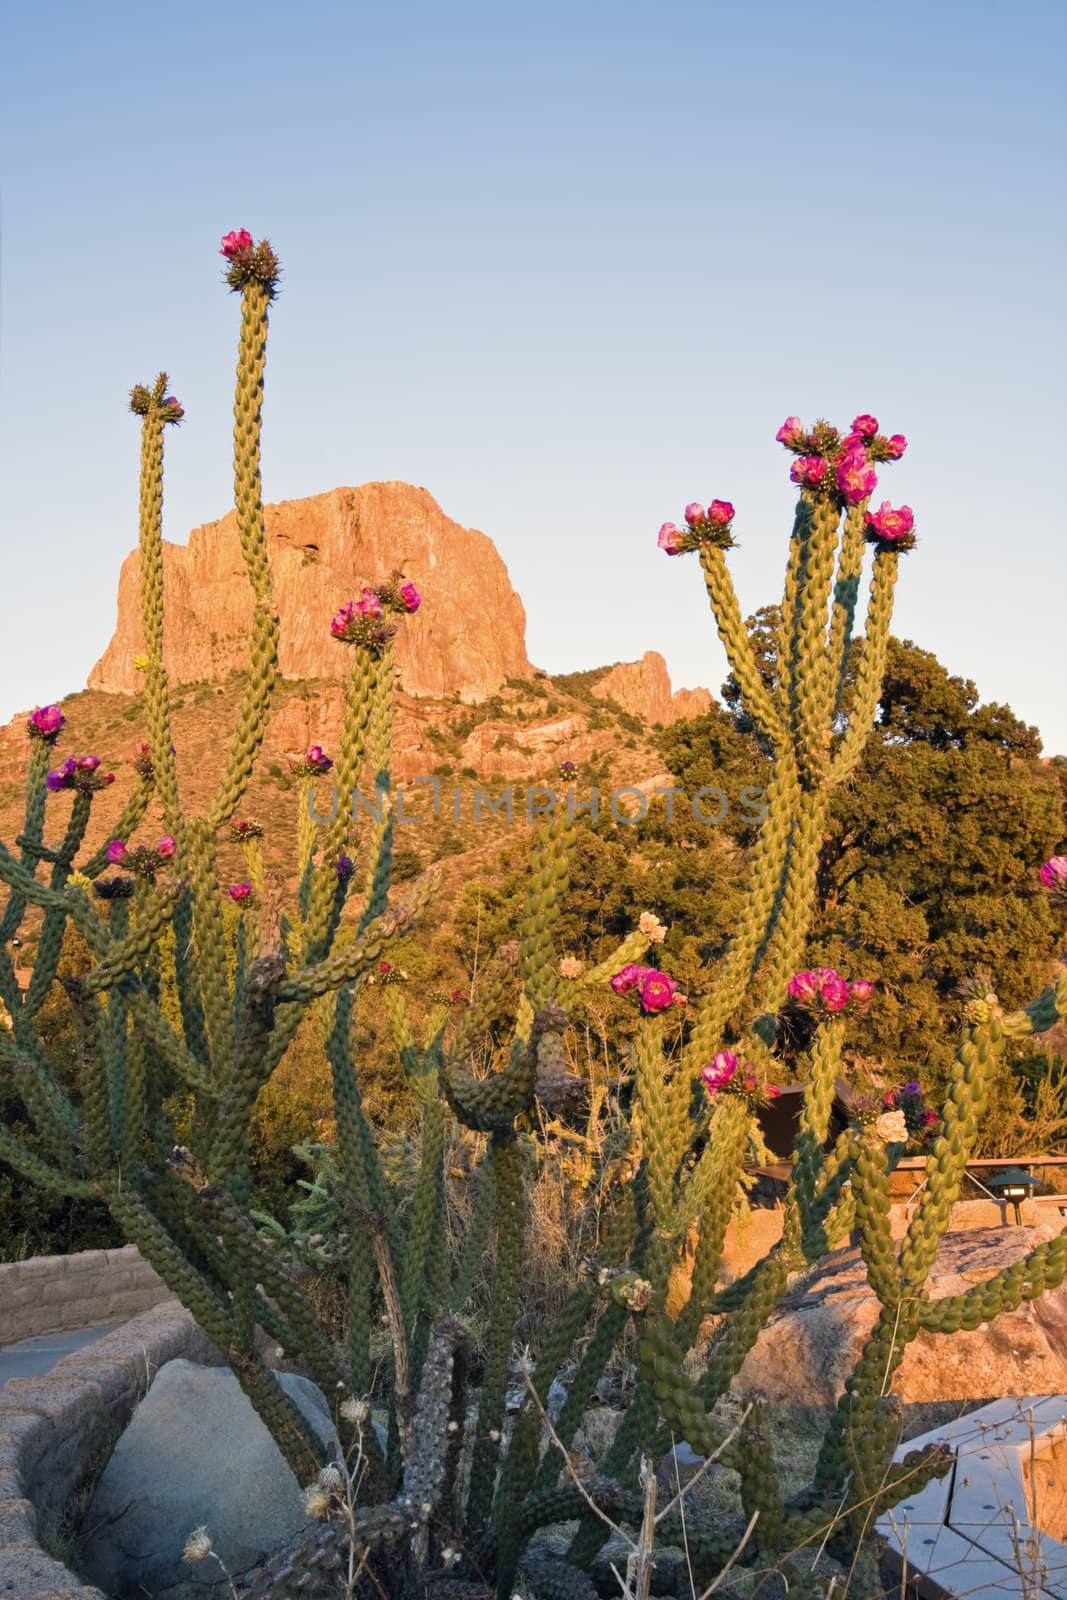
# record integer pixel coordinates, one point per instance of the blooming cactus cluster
(908, 1099)
(839, 465)
(143, 861)
(726, 1071)
(826, 990)
(890, 528)
(363, 621)
(81, 773)
(655, 990)
(314, 763)
(248, 263)
(704, 525)
(244, 831)
(46, 724)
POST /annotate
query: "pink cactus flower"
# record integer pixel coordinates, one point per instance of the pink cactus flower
(856, 477)
(720, 513)
(342, 620)
(672, 539)
(808, 471)
(116, 852)
(791, 433)
(694, 513)
(717, 1074)
(240, 893)
(411, 597)
(166, 846)
(929, 1119)
(628, 978)
(46, 723)
(861, 990)
(772, 1091)
(895, 446)
(865, 425)
(803, 987)
(385, 966)
(895, 526)
(834, 993)
(369, 604)
(657, 991)
(234, 243)
(1054, 872)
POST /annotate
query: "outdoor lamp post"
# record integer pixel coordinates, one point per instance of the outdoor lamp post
(1015, 1185)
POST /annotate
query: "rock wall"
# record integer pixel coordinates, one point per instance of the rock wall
(48, 1294)
(467, 638)
(53, 1428)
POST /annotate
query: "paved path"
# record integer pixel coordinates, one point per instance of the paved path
(31, 1358)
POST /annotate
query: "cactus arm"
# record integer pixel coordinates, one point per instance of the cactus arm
(736, 643)
(871, 670)
(251, 530)
(510, 1223)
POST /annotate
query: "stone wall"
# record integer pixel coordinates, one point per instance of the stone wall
(49, 1294)
(57, 1430)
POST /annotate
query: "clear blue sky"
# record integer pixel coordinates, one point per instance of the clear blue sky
(568, 266)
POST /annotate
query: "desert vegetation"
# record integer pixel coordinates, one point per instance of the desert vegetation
(510, 1129)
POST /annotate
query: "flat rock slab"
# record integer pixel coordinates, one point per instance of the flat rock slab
(195, 1455)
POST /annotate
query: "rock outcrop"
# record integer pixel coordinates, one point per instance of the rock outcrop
(811, 1344)
(644, 689)
(468, 637)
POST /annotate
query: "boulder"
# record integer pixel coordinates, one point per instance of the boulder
(195, 1455)
(811, 1344)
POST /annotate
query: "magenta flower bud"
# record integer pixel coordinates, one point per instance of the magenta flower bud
(895, 446)
(235, 242)
(240, 893)
(46, 723)
(1054, 872)
(720, 513)
(411, 597)
(717, 1074)
(88, 763)
(834, 993)
(803, 987)
(116, 852)
(861, 990)
(856, 477)
(658, 991)
(694, 513)
(166, 846)
(808, 471)
(671, 539)
(345, 868)
(866, 425)
(791, 433)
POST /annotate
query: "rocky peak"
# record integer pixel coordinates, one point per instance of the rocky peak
(644, 689)
(468, 638)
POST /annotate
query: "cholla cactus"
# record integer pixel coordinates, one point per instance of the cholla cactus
(425, 1526)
